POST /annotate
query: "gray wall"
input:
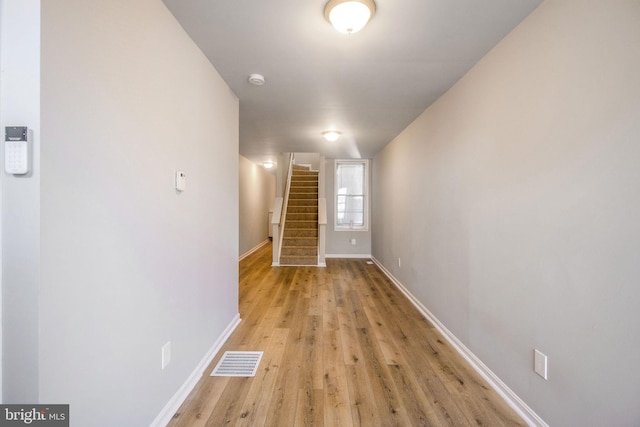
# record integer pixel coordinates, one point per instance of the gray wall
(513, 203)
(339, 242)
(107, 262)
(257, 194)
(20, 106)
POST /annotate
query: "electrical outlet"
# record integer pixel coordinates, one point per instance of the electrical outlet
(353, 242)
(540, 363)
(166, 354)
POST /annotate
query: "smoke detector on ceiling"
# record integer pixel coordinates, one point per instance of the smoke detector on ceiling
(256, 79)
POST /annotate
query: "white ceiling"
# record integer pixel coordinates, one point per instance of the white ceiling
(369, 85)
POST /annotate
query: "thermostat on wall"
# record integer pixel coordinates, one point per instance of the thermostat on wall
(181, 180)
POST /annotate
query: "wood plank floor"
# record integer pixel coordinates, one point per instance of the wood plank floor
(342, 347)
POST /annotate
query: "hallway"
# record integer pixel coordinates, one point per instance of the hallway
(342, 346)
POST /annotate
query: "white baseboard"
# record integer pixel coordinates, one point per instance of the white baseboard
(356, 256)
(255, 248)
(176, 401)
(512, 399)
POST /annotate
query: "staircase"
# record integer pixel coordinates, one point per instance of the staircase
(300, 239)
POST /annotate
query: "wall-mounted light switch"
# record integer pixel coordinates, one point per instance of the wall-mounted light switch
(540, 363)
(166, 354)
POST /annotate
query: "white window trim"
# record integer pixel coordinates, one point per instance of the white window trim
(364, 227)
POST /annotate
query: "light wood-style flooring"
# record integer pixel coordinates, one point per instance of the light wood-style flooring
(342, 347)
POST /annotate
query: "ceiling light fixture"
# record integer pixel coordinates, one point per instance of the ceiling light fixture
(256, 79)
(331, 135)
(268, 164)
(349, 16)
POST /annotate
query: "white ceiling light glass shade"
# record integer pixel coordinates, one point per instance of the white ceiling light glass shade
(268, 164)
(349, 16)
(331, 135)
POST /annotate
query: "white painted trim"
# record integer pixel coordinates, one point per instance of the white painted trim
(181, 395)
(357, 256)
(512, 399)
(366, 194)
(299, 265)
(255, 248)
(322, 231)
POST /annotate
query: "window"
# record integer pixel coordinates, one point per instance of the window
(352, 200)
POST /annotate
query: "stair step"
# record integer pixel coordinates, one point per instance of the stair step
(304, 195)
(300, 241)
(301, 238)
(303, 202)
(299, 251)
(303, 183)
(298, 260)
(292, 232)
(302, 216)
(302, 209)
(300, 224)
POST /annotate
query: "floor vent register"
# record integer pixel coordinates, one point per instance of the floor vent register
(238, 364)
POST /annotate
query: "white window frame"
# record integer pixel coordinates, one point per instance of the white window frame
(365, 226)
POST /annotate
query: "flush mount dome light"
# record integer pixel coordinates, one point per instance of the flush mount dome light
(331, 135)
(268, 164)
(349, 16)
(256, 79)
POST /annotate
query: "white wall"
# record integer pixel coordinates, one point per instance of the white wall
(128, 263)
(514, 203)
(20, 106)
(339, 241)
(310, 159)
(1, 184)
(257, 194)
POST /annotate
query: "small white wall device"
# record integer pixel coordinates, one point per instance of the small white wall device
(181, 180)
(16, 150)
